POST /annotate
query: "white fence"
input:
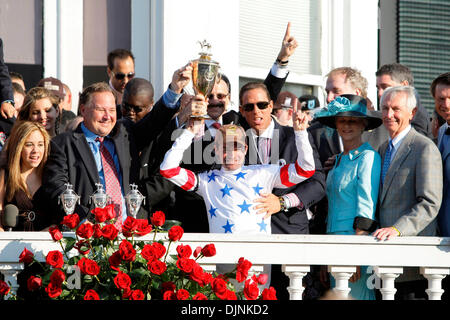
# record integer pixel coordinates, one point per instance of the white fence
(296, 253)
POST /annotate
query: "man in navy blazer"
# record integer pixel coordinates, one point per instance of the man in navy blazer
(73, 159)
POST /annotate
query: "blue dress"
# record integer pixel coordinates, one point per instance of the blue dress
(352, 191)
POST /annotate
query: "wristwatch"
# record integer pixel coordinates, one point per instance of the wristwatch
(282, 204)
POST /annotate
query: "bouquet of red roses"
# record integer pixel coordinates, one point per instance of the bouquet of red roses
(101, 262)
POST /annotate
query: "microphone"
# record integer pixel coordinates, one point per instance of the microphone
(10, 216)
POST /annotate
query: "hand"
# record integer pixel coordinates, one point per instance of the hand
(7, 110)
(288, 45)
(197, 106)
(299, 118)
(181, 78)
(269, 204)
(329, 164)
(185, 109)
(385, 233)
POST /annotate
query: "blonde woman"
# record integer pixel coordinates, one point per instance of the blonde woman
(41, 105)
(21, 169)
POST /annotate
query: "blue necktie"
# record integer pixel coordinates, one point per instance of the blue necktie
(387, 161)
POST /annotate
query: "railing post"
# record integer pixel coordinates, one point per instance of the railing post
(295, 274)
(10, 271)
(434, 277)
(388, 276)
(342, 274)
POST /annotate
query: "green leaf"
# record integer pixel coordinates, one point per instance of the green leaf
(68, 244)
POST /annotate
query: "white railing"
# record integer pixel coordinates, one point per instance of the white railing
(296, 253)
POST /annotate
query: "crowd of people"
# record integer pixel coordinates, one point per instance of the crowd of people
(282, 164)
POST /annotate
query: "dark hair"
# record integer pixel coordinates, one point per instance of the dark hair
(307, 97)
(398, 72)
(441, 79)
(94, 88)
(253, 85)
(17, 88)
(138, 86)
(15, 75)
(118, 54)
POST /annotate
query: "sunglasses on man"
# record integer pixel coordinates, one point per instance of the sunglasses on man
(121, 75)
(128, 107)
(250, 106)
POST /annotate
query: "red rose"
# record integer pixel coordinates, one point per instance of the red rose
(168, 286)
(129, 226)
(97, 231)
(26, 256)
(242, 269)
(57, 277)
(126, 293)
(185, 264)
(219, 286)
(55, 259)
(100, 214)
(110, 213)
(184, 251)
(251, 290)
(182, 294)
(159, 250)
(127, 252)
(175, 233)
(148, 252)
(199, 296)
(261, 279)
(122, 280)
(71, 221)
(158, 218)
(85, 230)
(88, 266)
(55, 233)
(137, 295)
(209, 250)
(230, 295)
(4, 288)
(169, 295)
(53, 290)
(83, 247)
(110, 232)
(197, 251)
(91, 295)
(115, 260)
(34, 283)
(157, 267)
(143, 227)
(197, 274)
(269, 294)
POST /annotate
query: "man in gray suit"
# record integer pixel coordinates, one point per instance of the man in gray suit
(411, 180)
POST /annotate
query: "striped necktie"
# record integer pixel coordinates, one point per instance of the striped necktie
(112, 183)
(387, 161)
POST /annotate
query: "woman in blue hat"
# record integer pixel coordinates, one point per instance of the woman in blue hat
(352, 184)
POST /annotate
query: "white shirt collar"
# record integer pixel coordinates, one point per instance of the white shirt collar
(399, 138)
(268, 133)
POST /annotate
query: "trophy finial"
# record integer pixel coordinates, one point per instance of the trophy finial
(205, 47)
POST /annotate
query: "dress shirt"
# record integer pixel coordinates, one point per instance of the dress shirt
(397, 141)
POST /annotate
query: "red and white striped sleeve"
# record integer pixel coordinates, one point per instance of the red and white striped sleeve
(294, 173)
(170, 166)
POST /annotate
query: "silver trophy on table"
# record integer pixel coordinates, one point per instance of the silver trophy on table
(99, 197)
(134, 200)
(205, 74)
(69, 199)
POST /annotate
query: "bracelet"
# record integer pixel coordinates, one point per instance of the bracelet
(396, 230)
(281, 63)
(282, 204)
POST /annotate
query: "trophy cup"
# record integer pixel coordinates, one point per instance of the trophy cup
(99, 197)
(205, 74)
(69, 199)
(134, 199)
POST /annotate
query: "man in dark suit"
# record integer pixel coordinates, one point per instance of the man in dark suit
(101, 149)
(6, 99)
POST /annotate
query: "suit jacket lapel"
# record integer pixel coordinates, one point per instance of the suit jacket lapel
(400, 156)
(87, 158)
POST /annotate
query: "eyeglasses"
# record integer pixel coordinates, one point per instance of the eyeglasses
(128, 107)
(121, 75)
(219, 96)
(250, 106)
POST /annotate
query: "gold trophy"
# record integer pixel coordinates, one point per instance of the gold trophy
(205, 74)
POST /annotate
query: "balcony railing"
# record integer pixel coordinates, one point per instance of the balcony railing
(296, 253)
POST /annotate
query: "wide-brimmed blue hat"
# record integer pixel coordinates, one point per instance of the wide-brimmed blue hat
(348, 105)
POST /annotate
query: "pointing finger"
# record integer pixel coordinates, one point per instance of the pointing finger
(287, 34)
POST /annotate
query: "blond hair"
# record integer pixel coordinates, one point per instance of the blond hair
(13, 154)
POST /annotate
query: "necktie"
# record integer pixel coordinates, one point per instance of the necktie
(216, 125)
(447, 132)
(387, 161)
(112, 183)
(263, 145)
